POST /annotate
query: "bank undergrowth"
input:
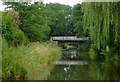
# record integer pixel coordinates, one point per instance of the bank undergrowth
(33, 61)
(83, 50)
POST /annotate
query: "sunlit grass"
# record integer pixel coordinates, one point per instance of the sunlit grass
(34, 61)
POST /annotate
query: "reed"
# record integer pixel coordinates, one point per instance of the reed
(34, 61)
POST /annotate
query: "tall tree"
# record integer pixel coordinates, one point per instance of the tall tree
(76, 19)
(59, 17)
(33, 22)
(101, 19)
(10, 28)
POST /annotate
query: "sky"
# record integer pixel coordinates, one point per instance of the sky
(66, 2)
(2, 7)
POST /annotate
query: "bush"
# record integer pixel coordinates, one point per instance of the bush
(83, 50)
(10, 29)
(103, 55)
(95, 54)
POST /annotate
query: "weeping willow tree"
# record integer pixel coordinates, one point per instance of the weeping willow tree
(101, 19)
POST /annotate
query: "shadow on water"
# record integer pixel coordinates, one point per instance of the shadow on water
(92, 71)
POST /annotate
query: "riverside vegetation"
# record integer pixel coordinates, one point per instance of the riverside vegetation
(80, 20)
(34, 61)
(25, 54)
(26, 28)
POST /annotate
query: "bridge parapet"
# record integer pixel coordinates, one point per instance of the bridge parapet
(69, 38)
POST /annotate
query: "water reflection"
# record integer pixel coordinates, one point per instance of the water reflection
(69, 54)
(93, 71)
(70, 51)
(68, 72)
(104, 71)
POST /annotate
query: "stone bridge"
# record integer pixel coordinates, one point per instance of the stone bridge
(61, 40)
(74, 41)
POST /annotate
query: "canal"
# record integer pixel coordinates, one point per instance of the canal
(92, 71)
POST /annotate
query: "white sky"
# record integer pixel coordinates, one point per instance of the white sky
(66, 2)
(2, 7)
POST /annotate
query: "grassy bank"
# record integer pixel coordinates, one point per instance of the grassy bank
(34, 61)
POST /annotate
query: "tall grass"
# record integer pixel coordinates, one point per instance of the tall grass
(34, 61)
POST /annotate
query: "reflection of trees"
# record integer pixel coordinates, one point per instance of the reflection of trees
(104, 71)
(58, 73)
(80, 73)
(73, 73)
(95, 71)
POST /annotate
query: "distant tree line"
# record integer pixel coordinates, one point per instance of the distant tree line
(38, 22)
(28, 22)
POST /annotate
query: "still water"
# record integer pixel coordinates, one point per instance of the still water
(92, 71)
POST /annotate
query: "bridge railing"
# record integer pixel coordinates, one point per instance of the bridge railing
(69, 38)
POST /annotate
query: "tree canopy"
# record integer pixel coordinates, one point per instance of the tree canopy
(10, 28)
(101, 19)
(33, 22)
(59, 17)
(76, 19)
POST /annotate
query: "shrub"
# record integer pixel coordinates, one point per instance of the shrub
(10, 28)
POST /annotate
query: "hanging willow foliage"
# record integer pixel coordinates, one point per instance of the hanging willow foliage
(101, 19)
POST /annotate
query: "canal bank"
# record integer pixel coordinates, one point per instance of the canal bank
(31, 62)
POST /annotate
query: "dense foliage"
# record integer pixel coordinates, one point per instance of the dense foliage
(39, 21)
(26, 22)
(59, 19)
(33, 22)
(77, 22)
(101, 19)
(10, 28)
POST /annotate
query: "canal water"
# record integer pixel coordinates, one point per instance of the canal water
(92, 71)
